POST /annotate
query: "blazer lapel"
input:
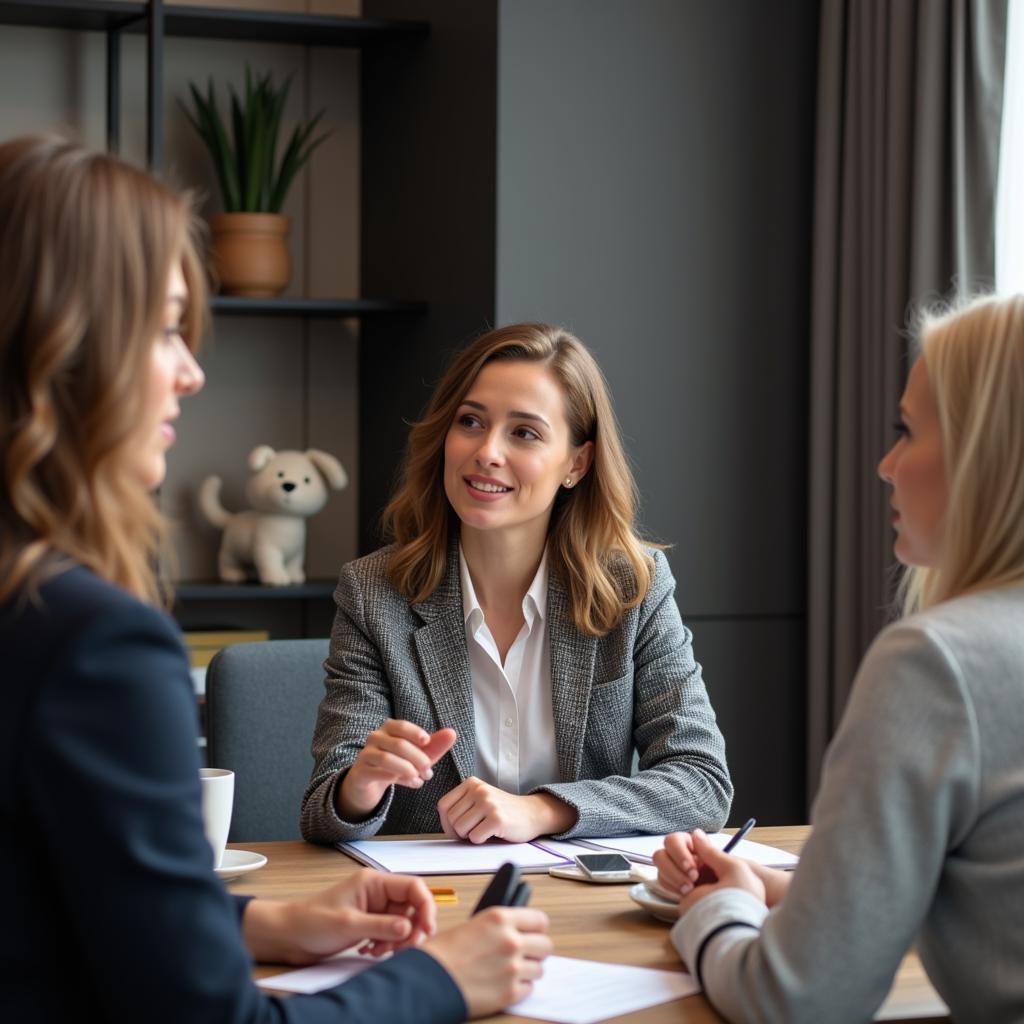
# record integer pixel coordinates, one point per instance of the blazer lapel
(444, 661)
(572, 676)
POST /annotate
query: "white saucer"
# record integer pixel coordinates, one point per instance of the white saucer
(657, 906)
(239, 862)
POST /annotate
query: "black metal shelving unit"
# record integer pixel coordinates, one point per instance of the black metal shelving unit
(306, 29)
(159, 20)
(211, 22)
(214, 590)
(87, 15)
(315, 309)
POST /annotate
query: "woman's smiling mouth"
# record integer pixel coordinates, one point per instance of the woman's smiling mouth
(486, 490)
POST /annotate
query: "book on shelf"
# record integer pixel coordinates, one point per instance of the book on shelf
(203, 644)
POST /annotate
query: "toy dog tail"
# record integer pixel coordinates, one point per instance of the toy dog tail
(209, 502)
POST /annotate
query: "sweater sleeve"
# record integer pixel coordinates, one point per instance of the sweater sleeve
(899, 790)
(115, 781)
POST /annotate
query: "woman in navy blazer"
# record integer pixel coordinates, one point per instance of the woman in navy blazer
(113, 911)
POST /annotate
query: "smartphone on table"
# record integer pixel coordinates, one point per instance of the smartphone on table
(604, 867)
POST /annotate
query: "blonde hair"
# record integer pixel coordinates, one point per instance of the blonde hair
(87, 244)
(592, 542)
(974, 356)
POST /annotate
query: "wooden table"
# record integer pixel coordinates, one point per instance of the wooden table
(593, 922)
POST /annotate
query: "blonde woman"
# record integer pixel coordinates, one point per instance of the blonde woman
(493, 670)
(919, 823)
(112, 910)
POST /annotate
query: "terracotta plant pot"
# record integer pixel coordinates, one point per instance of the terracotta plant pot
(250, 253)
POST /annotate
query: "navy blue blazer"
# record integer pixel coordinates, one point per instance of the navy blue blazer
(111, 910)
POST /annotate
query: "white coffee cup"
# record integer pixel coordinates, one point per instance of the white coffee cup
(218, 795)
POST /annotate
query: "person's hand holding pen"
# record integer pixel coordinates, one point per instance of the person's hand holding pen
(691, 865)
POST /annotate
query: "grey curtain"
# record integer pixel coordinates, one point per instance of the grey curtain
(909, 108)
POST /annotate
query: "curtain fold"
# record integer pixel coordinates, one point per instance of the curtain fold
(907, 148)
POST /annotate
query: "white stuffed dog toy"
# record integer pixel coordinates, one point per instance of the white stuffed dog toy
(286, 488)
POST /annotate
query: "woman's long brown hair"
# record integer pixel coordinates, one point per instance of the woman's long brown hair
(87, 243)
(592, 540)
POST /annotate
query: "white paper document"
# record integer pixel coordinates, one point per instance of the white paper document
(449, 856)
(642, 849)
(319, 976)
(584, 991)
(570, 992)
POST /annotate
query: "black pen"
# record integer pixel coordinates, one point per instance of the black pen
(731, 845)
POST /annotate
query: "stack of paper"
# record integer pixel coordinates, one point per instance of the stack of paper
(459, 857)
(449, 856)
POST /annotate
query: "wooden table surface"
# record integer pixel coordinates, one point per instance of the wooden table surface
(592, 922)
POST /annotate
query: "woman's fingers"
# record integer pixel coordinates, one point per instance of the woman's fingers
(389, 768)
(404, 749)
(464, 823)
(670, 878)
(403, 753)
(439, 744)
(679, 847)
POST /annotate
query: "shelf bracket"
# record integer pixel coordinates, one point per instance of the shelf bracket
(114, 90)
(155, 85)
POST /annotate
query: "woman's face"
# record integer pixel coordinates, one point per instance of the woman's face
(509, 450)
(916, 470)
(172, 373)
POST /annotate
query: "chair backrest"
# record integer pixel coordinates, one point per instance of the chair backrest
(261, 704)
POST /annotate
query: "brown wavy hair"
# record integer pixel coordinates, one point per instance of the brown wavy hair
(87, 243)
(592, 541)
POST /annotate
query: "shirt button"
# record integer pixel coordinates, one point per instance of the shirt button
(508, 722)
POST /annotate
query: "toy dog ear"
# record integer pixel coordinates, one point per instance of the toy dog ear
(330, 468)
(260, 456)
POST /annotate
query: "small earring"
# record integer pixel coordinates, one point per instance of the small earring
(568, 481)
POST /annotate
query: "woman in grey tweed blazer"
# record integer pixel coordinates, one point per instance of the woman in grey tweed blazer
(515, 474)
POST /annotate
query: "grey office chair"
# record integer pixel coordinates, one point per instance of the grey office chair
(261, 703)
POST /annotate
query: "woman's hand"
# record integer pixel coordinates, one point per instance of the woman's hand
(693, 866)
(477, 811)
(678, 866)
(775, 882)
(494, 957)
(387, 912)
(399, 753)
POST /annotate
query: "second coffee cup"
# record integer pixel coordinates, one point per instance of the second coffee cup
(218, 796)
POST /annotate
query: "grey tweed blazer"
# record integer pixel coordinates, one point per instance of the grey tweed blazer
(638, 687)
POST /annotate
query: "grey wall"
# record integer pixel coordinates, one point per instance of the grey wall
(654, 172)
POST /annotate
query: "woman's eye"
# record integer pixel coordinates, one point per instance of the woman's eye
(172, 333)
(902, 430)
(466, 420)
(526, 434)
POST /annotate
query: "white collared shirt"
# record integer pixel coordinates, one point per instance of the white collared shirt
(515, 725)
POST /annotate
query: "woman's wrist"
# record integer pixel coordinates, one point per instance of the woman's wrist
(351, 802)
(265, 930)
(551, 815)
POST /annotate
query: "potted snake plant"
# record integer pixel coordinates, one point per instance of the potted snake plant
(250, 239)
